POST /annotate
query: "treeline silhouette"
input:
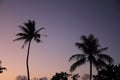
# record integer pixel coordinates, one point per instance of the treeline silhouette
(111, 72)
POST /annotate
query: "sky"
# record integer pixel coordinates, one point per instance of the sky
(65, 21)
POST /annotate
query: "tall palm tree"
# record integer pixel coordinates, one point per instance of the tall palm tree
(92, 53)
(28, 34)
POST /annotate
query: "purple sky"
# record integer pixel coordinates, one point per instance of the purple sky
(65, 21)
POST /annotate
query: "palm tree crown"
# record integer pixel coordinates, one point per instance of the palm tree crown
(92, 52)
(29, 32)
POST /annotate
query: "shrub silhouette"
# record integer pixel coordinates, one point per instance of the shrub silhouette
(111, 72)
(61, 76)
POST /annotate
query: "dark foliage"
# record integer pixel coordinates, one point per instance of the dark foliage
(61, 76)
(111, 72)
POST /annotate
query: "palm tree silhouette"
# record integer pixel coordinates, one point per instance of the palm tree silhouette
(92, 52)
(28, 34)
(75, 76)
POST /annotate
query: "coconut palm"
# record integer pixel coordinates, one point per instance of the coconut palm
(92, 53)
(28, 34)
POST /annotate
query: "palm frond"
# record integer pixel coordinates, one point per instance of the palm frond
(25, 30)
(25, 42)
(95, 63)
(92, 41)
(77, 64)
(106, 58)
(32, 22)
(84, 39)
(30, 25)
(79, 45)
(39, 30)
(101, 50)
(37, 40)
(37, 35)
(77, 57)
(20, 38)
(3, 68)
(99, 64)
(85, 47)
(91, 37)
(22, 34)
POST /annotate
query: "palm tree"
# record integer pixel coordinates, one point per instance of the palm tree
(75, 76)
(28, 34)
(92, 53)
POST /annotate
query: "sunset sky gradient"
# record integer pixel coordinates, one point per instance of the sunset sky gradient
(65, 21)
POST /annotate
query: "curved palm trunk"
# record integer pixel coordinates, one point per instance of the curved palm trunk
(27, 65)
(90, 70)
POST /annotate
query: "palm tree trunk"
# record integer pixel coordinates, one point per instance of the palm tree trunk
(27, 59)
(90, 69)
